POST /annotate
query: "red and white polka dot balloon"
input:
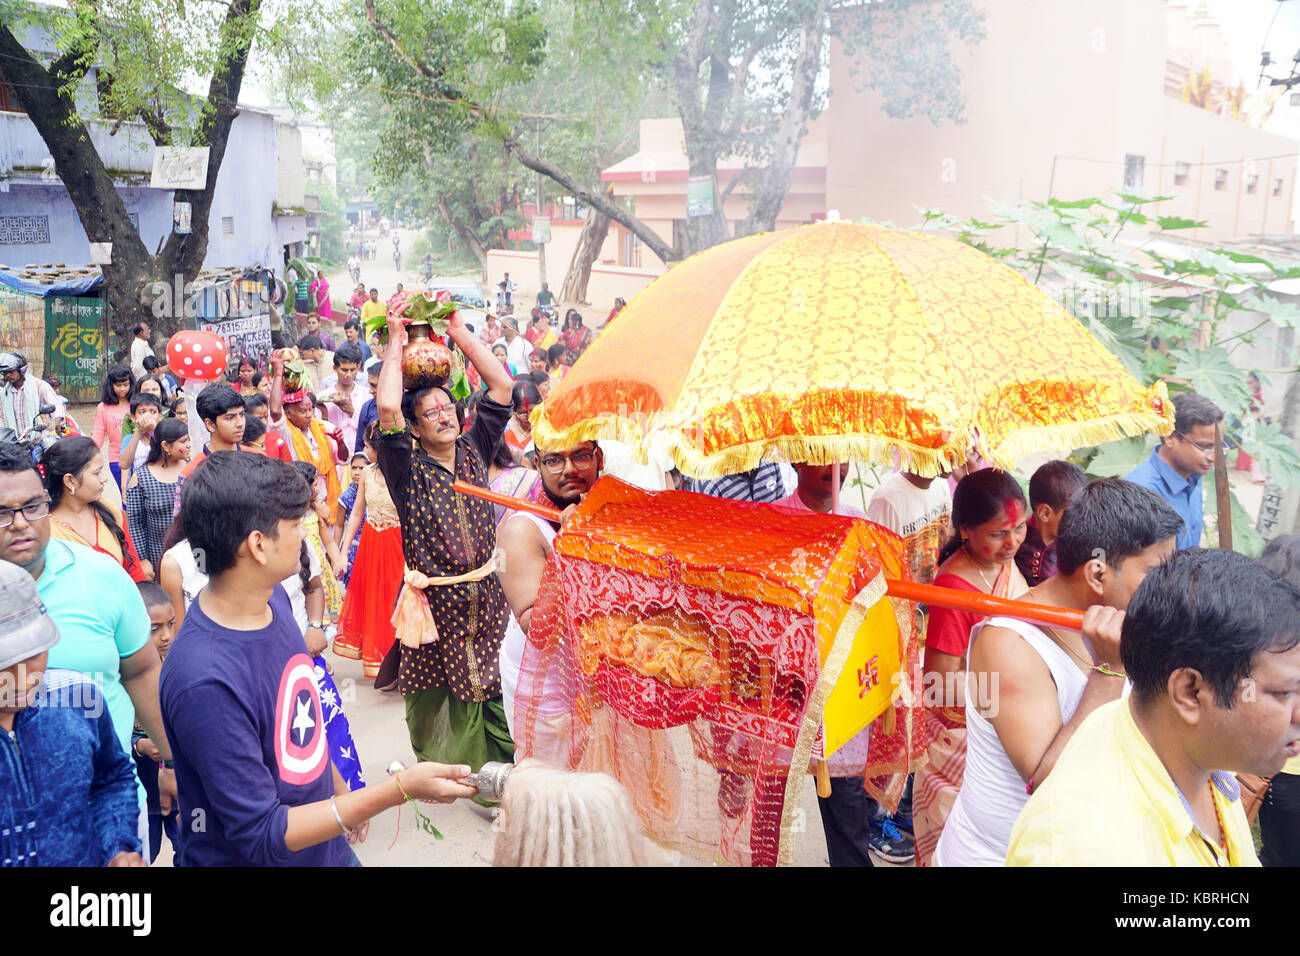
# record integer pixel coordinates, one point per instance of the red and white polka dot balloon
(197, 356)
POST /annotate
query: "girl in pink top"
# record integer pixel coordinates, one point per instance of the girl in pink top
(114, 403)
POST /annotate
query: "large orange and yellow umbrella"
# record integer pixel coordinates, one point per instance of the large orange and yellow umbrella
(838, 341)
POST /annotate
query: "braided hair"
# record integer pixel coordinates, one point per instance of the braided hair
(304, 566)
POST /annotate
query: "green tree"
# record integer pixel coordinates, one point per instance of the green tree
(331, 224)
(1164, 309)
(745, 76)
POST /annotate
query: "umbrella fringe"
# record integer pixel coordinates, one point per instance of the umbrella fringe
(1029, 441)
(818, 450)
(827, 449)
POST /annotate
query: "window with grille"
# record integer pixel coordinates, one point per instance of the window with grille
(1133, 168)
(1252, 180)
(1220, 178)
(9, 101)
(24, 230)
(1181, 172)
(227, 225)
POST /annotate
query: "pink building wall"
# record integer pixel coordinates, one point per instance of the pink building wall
(1056, 95)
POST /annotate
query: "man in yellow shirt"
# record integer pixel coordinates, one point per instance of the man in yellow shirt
(372, 307)
(1211, 644)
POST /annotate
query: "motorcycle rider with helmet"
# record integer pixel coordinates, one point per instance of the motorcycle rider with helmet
(23, 397)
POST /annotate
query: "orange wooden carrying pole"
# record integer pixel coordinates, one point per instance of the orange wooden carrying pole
(984, 604)
(508, 501)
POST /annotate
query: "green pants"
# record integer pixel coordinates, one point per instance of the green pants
(446, 730)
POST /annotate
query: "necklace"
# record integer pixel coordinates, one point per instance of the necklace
(1218, 818)
(988, 585)
(1056, 636)
(69, 526)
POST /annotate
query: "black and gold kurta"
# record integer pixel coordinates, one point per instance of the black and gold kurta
(445, 533)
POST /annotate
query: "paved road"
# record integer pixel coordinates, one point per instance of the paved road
(379, 728)
(378, 720)
(378, 272)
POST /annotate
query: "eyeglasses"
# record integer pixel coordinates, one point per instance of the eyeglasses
(555, 463)
(442, 411)
(32, 512)
(1205, 449)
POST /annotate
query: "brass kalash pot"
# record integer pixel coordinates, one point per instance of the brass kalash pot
(426, 361)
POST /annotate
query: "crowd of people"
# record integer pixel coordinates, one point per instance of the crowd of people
(195, 590)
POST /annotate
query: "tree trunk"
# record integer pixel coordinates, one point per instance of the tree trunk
(1289, 517)
(702, 121)
(184, 254)
(774, 181)
(466, 234)
(585, 254)
(100, 207)
(598, 202)
(705, 232)
(514, 148)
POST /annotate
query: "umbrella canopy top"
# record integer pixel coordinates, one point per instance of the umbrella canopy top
(838, 341)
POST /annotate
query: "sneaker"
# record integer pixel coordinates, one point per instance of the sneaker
(889, 844)
(903, 820)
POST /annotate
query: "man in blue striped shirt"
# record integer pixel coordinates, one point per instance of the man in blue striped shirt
(768, 483)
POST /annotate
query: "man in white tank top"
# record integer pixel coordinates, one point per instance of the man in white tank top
(526, 540)
(1029, 687)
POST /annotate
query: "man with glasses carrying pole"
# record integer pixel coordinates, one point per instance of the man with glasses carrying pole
(449, 671)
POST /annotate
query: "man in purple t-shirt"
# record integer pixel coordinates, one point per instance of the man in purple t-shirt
(239, 696)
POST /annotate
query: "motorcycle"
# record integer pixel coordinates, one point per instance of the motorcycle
(37, 441)
(355, 273)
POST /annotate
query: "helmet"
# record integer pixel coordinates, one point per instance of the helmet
(12, 362)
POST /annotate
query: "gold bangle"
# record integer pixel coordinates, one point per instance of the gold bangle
(397, 778)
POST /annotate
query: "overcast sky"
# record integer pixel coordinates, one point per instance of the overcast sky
(1246, 23)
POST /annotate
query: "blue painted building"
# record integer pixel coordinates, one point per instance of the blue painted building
(258, 217)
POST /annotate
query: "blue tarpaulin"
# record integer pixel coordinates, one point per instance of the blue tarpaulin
(80, 285)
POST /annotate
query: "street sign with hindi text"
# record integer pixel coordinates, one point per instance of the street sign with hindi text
(74, 345)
